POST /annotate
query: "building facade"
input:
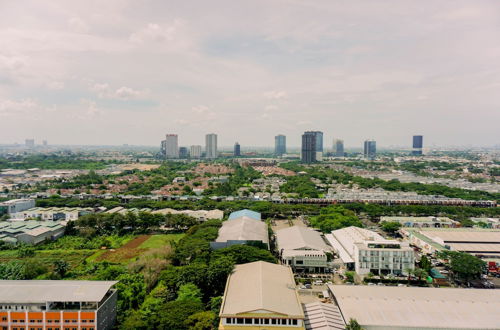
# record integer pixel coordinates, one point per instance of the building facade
(211, 146)
(338, 148)
(237, 150)
(370, 149)
(16, 205)
(195, 152)
(308, 149)
(183, 152)
(171, 146)
(418, 144)
(279, 145)
(57, 305)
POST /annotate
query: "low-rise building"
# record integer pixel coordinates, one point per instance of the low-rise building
(493, 223)
(366, 252)
(242, 230)
(53, 213)
(30, 232)
(302, 248)
(398, 308)
(16, 205)
(423, 222)
(261, 295)
(84, 305)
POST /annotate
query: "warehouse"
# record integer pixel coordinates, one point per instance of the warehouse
(30, 232)
(242, 230)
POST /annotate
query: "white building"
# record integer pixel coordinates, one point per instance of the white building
(211, 146)
(171, 146)
(302, 248)
(366, 252)
(423, 222)
(53, 213)
(195, 151)
(242, 230)
(16, 205)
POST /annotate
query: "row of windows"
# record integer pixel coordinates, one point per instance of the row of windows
(259, 321)
(4, 318)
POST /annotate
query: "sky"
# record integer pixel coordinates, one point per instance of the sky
(127, 72)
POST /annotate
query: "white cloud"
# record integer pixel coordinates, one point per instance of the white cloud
(77, 25)
(103, 90)
(275, 95)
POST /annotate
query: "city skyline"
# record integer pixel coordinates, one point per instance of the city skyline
(360, 68)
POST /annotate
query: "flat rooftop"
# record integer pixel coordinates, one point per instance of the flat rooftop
(419, 308)
(33, 291)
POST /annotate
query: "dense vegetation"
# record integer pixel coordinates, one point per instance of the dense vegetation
(53, 162)
(335, 217)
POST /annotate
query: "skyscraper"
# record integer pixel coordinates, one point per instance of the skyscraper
(370, 149)
(338, 148)
(319, 145)
(183, 152)
(279, 145)
(211, 146)
(30, 143)
(171, 146)
(418, 143)
(195, 151)
(237, 150)
(308, 150)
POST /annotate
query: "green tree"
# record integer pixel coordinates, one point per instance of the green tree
(61, 267)
(353, 325)
(26, 251)
(466, 266)
(425, 263)
(201, 321)
(189, 291)
(175, 313)
(391, 227)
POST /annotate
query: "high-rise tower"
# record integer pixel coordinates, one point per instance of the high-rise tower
(211, 146)
(279, 145)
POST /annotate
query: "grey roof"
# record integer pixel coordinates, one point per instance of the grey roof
(261, 286)
(300, 238)
(419, 308)
(243, 229)
(25, 292)
(320, 316)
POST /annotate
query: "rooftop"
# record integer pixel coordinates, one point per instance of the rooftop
(245, 213)
(411, 307)
(300, 238)
(33, 291)
(320, 316)
(259, 286)
(243, 229)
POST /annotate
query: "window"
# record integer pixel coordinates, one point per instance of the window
(4, 318)
(248, 321)
(256, 321)
(229, 320)
(266, 321)
(294, 322)
(239, 320)
(84, 321)
(273, 321)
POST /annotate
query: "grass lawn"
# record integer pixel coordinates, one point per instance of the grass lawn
(157, 241)
(48, 257)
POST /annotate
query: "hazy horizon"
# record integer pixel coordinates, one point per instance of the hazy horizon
(119, 72)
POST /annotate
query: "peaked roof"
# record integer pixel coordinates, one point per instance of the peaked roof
(243, 229)
(261, 286)
(296, 238)
(321, 316)
(245, 213)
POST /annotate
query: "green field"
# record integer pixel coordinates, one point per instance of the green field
(157, 241)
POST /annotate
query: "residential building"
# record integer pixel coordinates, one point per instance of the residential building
(493, 223)
(303, 249)
(195, 152)
(53, 213)
(308, 150)
(261, 295)
(211, 146)
(418, 143)
(366, 252)
(370, 149)
(423, 222)
(16, 205)
(398, 308)
(171, 146)
(34, 304)
(242, 230)
(237, 150)
(29, 143)
(183, 152)
(245, 213)
(200, 215)
(483, 243)
(338, 148)
(30, 232)
(280, 145)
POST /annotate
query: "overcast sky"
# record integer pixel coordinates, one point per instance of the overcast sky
(115, 72)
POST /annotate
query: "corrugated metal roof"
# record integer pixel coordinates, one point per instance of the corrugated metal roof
(261, 286)
(33, 291)
(417, 308)
(245, 213)
(300, 238)
(320, 316)
(243, 229)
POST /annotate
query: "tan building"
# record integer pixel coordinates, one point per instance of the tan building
(261, 295)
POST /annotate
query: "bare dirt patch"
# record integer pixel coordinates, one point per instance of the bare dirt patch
(126, 252)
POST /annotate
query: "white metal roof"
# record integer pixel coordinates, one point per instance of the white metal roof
(261, 286)
(300, 238)
(343, 254)
(412, 307)
(320, 316)
(33, 291)
(243, 229)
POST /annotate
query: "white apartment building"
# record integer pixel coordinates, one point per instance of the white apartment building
(366, 252)
(195, 151)
(211, 146)
(171, 146)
